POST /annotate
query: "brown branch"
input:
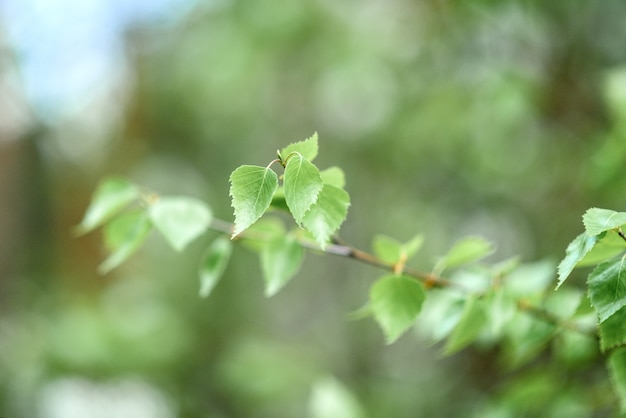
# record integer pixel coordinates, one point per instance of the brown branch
(342, 249)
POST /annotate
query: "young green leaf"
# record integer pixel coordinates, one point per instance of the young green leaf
(598, 220)
(123, 236)
(387, 249)
(607, 288)
(617, 369)
(180, 219)
(466, 250)
(396, 302)
(575, 252)
(251, 189)
(391, 250)
(327, 214)
(472, 322)
(302, 184)
(111, 196)
(307, 148)
(281, 259)
(213, 264)
(333, 176)
(613, 330)
(608, 246)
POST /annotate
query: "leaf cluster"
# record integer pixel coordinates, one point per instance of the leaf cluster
(462, 298)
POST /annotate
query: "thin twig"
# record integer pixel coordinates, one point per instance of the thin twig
(343, 249)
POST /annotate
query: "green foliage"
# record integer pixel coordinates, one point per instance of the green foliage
(327, 213)
(598, 220)
(213, 264)
(180, 219)
(396, 301)
(251, 188)
(607, 288)
(111, 196)
(281, 258)
(506, 304)
(123, 236)
(303, 184)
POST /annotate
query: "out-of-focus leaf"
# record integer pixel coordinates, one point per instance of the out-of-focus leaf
(327, 214)
(472, 322)
(334, 176)
(251, 189)
(598, 220)
(213, 264)
(396, 302)
(331, 399)
(281, 259)
(466, 250)
(180, 219)
(607, 288)
(123, 236)
(111, 196)
(390, 250)
(617, 368)
(302, 184)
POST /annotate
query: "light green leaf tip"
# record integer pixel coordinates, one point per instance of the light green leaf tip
(180, 219)
(598, 220)
(575, 252)
(251, 189)
(213, 264)
(110, 197)
(396, 301)
(307, 149)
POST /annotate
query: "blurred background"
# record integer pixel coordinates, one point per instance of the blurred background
(505, 119)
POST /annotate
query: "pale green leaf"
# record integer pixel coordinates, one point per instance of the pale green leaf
(473, 320)
(213, 264)
(530, 279)
(387, 249)
(281, 259)
(302, 184)
(307, 149)
(574, 253)
(334, 176)
(396, 302)
(123, 236)
(180, 219)
(327, 214)
(598, 220)
(464, 251)
(608, 246)
(607, 288)
(251, 189)
(391, 250)
(331, 399)
(110, 197)
(617, 369)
